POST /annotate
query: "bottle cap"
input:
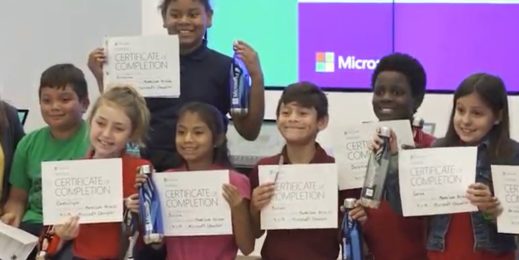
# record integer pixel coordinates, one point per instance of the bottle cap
(349, 203)
(417, 122)
(145, 169)
(385, 131)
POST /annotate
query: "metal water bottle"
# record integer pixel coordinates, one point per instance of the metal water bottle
(149, 208)
(378, 167)
(351, 234)
(240, 87)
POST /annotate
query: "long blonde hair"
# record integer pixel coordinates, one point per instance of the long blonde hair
(134, 106)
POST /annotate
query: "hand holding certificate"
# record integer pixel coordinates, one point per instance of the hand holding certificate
(351, 148)
(90, 189)
(305, 196)
(435, 180)
(506, 188)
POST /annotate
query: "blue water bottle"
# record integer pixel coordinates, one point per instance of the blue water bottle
(150, 208)
(350, 234)
(240, 87)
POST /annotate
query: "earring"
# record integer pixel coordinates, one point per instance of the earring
(496, 122)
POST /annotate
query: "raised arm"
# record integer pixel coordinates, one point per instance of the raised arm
(96, 59)
(249, 126)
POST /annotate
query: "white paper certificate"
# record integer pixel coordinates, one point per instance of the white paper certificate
(149, 63)
(435, 180)
(192, 203)
(402, 130)
(15, 243)
(352, 154)
(506, 189)
(351, 151)
(306, 196)
(92, 189)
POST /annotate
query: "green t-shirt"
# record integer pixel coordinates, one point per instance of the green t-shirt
(34, 148)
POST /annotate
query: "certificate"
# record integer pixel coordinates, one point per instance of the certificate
(351, 150)
(90, 189)
(192, 203)
(506, 189)
(15, 243)
(402, 130)
(435, 180)
(305, 196)
(352, 154)
(149, 63)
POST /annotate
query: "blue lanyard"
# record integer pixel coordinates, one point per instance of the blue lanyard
(351, 245)
(150, 208)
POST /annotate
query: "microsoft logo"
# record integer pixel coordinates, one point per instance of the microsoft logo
(325, 62)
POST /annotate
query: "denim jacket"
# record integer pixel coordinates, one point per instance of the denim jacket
(485, 232)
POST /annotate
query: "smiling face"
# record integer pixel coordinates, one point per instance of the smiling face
(473, 119)
(188, 19)
(298, 124)
(61, 108)
(194, 140)
(392, 97)
(110, 131)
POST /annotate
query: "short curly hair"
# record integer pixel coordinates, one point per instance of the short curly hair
(410, 67)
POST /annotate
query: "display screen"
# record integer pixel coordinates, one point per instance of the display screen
(337, 43)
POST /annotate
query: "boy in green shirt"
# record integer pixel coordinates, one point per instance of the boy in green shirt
(63, 96)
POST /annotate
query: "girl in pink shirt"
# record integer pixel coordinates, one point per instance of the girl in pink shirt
(201, 142)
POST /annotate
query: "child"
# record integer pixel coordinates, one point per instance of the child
(398, 84)
(11, 131)
(301, 113)
(200, 141)
(119, 116)
(479, 118)
(63, 96)
(204, 78)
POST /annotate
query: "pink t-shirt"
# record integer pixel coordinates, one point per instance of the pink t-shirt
(209, 247)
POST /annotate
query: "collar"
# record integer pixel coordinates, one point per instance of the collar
(319, 156)
(198, 54)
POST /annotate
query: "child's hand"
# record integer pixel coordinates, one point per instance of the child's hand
(10, 219)
(69, 230)
(262, 195)
(249, 56)
(376, 142)
(95, 62)
(140, 178)
(358, 213)
(480, 196)
(132, 203)
(232, 195)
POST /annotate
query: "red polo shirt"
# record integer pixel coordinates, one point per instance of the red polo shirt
(103, 240)
(301, 244)
(389, 235)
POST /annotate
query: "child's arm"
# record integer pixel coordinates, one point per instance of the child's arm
(261, 197)
(240, 218)
(15, 207)
(96, 59)
(249, 126)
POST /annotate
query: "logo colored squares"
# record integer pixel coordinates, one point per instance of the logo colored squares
(324, 62)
